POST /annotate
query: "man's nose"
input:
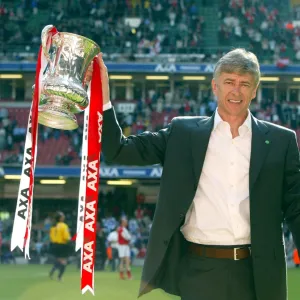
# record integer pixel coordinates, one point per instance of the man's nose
(236, 90)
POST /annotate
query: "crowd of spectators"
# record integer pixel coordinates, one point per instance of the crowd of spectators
(152, 113)
(12, 140)
(159, 26)
(262, 25)
(133, 27)
(279, 112)
(11, 137)
(139, 225)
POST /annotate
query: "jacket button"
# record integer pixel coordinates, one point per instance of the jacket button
(166, 242)
(181, 216)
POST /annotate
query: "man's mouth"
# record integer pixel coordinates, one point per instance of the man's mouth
(235, 101)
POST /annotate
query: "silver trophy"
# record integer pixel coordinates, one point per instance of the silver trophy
(65, 80)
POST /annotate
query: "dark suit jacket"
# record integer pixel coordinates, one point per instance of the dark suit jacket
(274, 186)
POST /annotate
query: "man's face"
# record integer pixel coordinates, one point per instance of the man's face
(234, 93)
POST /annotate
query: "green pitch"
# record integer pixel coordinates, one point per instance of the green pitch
(31, 282)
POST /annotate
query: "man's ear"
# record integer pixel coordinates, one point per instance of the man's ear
(214, 86)
(254, 92)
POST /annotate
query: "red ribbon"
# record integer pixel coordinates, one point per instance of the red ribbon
(88, 253)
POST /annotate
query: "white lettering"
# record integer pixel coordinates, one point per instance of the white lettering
(109, 172)
(156, 172)
(88, 256)
(92, 176)
(93, 165)
(209, 68)
(165, 68)
(90, 217)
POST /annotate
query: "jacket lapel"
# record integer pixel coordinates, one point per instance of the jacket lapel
(200, 138)
(259, 149)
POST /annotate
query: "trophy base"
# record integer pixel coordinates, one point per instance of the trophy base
(60, 119)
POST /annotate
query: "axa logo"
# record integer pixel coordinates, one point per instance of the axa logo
(109, 172)
(209, 68)
(156, 172)
(169, 68)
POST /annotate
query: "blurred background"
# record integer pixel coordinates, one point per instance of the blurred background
(160, 56)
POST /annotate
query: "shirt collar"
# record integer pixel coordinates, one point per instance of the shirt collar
(247, 122)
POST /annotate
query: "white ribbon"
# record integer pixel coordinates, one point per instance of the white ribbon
(23, 214)
(83, 174)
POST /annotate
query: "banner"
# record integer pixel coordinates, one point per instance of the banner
(88, 250)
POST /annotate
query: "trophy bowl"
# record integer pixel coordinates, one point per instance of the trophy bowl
(64, 82)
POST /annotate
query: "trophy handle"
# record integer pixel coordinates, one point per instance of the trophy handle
(88, 75)
(47, 41)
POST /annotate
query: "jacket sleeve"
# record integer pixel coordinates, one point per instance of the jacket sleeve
(291, 200)
(147, 148)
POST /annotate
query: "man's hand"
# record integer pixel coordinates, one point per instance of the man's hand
(104, 78)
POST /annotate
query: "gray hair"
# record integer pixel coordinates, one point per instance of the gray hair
(238, 61)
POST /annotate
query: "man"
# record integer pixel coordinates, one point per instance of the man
(124, 238)
(228, 182)
(60, 238)
(112, 239)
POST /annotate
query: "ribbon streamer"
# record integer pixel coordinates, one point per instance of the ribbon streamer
(88, 250)
(81, 201)
(23, 216)
(89, 177)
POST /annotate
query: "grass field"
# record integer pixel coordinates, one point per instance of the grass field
(31, 282)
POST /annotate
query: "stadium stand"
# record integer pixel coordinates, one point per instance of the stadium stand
(133, 30)
(265, 25)
(63, 147)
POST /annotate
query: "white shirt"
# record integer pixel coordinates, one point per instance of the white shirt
(107, 106)
(219, 213)
(112, 238)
